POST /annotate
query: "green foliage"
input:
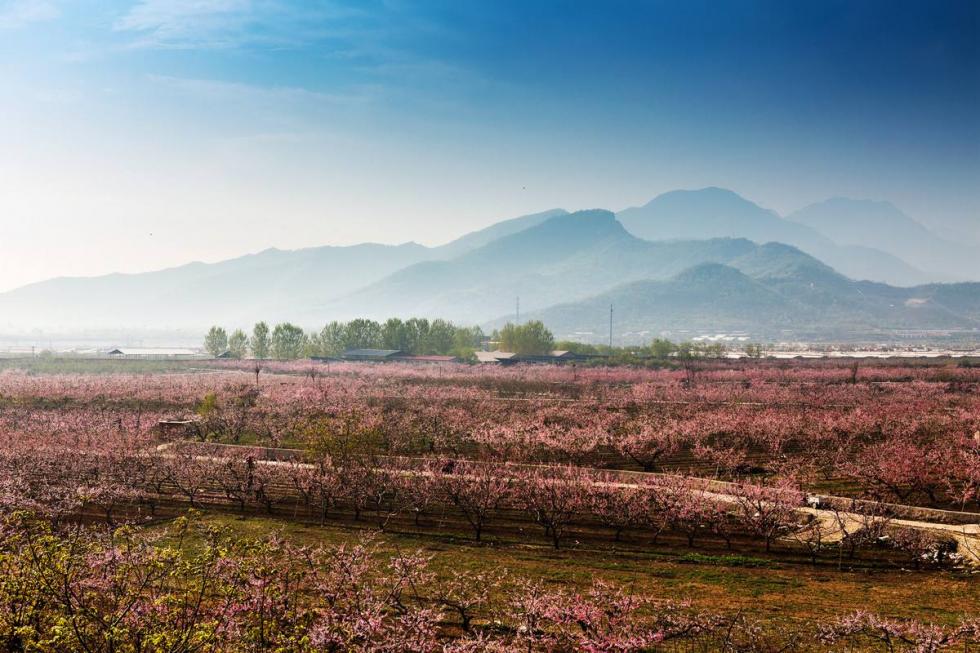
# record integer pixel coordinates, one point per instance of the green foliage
(527, 339)
(395, 335)
(208, 405)
(753, 350)
(216, 341)
(260, 340)
(466, 341)
(660, 352)
(363, 334)
(288, 341)
(662, 348)
(687, 351)
(413, 336)
(583, 348)
(441, 336)
(238, 344)
(329, 341)
(729, 560)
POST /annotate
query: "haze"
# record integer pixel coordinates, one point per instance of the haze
(139, 135)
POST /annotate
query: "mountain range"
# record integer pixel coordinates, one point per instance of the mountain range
(716, 212)
(804, 302)
(849, 223)
(688, 262)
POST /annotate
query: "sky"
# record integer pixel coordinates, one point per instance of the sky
(136, 135)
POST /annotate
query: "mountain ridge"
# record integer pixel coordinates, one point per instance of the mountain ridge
(719, 212)
(715, 298)
(594, 252)
(552, 260)
(849, 222)
(271, 282)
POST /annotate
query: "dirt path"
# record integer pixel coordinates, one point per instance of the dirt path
(836, 524)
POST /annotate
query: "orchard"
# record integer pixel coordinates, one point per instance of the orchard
(812, 464)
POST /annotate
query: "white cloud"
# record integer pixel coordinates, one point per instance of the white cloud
(215, 24)
(169, 14)
(15, 14)
(185, 23)
(279, 98)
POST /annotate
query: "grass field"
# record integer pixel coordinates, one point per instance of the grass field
(781, 591)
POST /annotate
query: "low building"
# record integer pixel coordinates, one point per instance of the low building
(507, 358)
(176, 428)
(376, 355)
(427, 358)
(391, 355)
(550, 357)
(496, 357)
(154, 353)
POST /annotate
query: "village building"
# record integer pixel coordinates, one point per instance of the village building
(154, 353)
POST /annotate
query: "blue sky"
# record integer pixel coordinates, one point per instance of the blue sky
(136, 135)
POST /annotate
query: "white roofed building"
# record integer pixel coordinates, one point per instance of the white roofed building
(155, 353)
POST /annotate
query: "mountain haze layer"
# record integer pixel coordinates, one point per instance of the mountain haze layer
(850, 222)
(497, 230)
(272, 284)
(688, 262)
(721, 213)
(565, 258)
(782, 294)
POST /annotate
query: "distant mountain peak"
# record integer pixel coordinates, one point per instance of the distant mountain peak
(710, 212)
(715, 212)
(555, 238)
(878, 223)
(838, 211)
(707, 191)
(594, 221)
(476, 239)
(704, 272)
(569, 229)
(782, 248)
(707, 198)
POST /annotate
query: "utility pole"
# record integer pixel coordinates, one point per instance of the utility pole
(517, 320)
(610, 326)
